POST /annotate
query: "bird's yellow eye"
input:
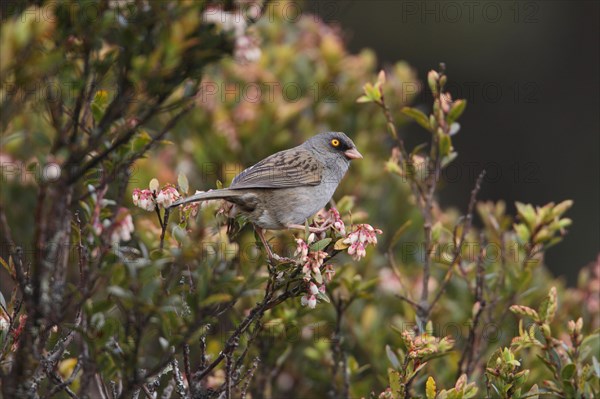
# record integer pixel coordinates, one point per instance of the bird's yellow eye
(335, 142)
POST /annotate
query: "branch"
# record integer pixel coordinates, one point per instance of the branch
(465, 364)
(457, 252)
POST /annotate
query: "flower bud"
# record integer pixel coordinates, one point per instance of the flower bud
(432, 80)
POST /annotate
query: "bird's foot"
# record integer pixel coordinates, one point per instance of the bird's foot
(310, 229)
(281, 259)
(273, 257)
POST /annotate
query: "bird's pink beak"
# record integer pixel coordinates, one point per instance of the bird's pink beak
(353, 153)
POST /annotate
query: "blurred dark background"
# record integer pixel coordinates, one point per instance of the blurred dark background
(529, 71)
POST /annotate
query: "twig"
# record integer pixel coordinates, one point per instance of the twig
(457, 252)
(465, 364)
(178, 378)
(164, 225)
(101, 386)
(75, 123)
(65, 384)
(203, 360)
(80, 251)
(231, 343)
(186, 366)
(228, 372)
(412, 303)
(248, 378)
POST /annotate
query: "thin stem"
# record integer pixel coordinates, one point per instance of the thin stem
(457, 252)
(465, 364)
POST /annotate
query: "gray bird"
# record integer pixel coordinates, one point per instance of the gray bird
(285, 189)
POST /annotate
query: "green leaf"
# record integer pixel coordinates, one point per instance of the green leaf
(445, 144)
(99, 104)
(532, 393)
(395, 384)
(340, 245)
(367, 285)
(436, 231)
(392, 357)
(596, 365)
(323, 296)
(140, 141)
(522, 232)
(568, 371)
(569, 389)
(345, 204)
(561, 208)
(153, 185)
(373, 93)
(179, 233)
(430, 388)
(449, 158)
(392, 166)
(320, 245)
(318, 276)
(8, 268)
(590, 345)
(456, 111)
(470, 391)
(417, 116)
(183, 183)
(547, 308)
(527, 213)
(454, 128)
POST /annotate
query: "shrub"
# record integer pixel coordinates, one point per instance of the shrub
(109, 116)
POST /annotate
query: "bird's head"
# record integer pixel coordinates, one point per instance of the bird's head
(335, 143)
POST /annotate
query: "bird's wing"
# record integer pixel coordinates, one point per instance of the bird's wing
(291, 168)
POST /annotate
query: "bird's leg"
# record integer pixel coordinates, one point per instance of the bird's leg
(311, 229)
(272, 256)
(261, 235)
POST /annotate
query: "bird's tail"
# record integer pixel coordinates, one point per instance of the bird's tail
(208, 195)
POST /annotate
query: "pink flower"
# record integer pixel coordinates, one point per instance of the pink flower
(192, 208)
(309, 300)
(328, 219)
(313, 263)
(143, 199)
(167, 196)
(338, 223)
(122, 227)
(97, 226)
(446, 102)
(363, 235)
(301, 250)
(312, 288)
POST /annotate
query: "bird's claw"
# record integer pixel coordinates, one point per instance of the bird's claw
(316, 230)
(282, 259)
